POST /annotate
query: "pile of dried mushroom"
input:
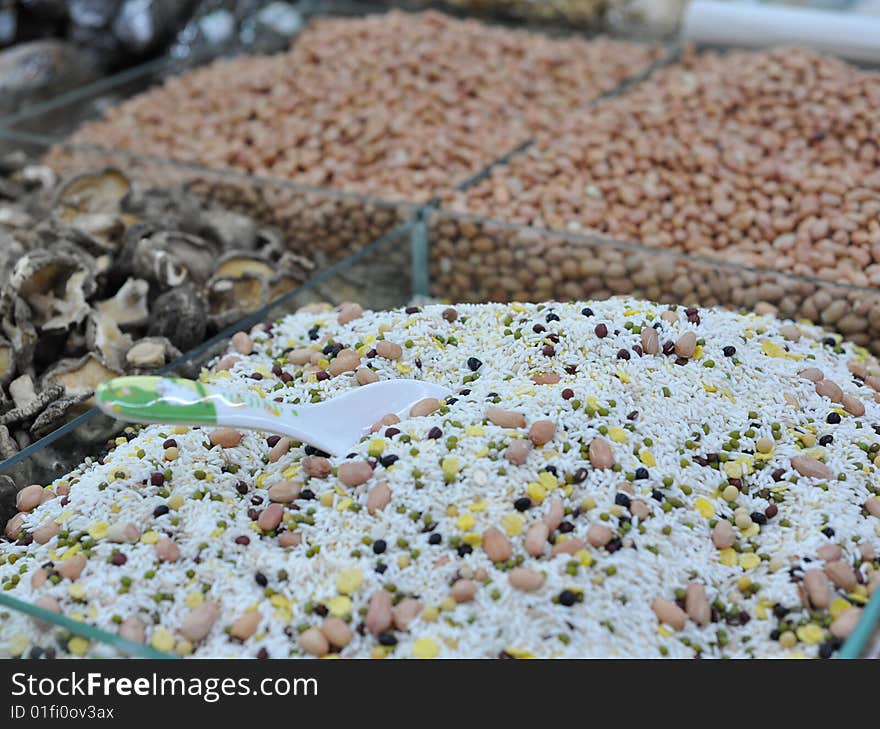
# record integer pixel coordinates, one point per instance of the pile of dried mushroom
(100, 278)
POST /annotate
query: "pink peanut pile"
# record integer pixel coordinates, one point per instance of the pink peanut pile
(398, 105)
(769, 159)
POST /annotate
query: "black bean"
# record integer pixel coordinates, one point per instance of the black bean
(389, 460)
(379, 546)
(826, 440)
(381, 567)
(522, 504)
(160, 510)
(552, 317)
(538, 328)
(387, 639)
(567, 598)
(641, 473)
(833, 418)
(307, 494)
(464, 550)
(758, 517)
(261, 579)
(435, 433)
(587, 311)
(828, 532)
(474, 364)
(622, 500)
(729, 351)
(435, 538)
(580, 475)
(272, 440)
(170, 443)
(622, 354)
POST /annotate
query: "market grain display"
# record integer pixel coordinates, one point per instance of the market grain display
(610, 478)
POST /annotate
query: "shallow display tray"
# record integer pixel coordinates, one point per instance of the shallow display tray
(377, 276)
(472, 258)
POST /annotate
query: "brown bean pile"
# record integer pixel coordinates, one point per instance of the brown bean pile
(397, 105)
(768, 159)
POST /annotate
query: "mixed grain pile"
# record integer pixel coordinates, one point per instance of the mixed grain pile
(397, 105)
(611, 478)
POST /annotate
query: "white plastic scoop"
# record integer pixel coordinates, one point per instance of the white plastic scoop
(332, 426)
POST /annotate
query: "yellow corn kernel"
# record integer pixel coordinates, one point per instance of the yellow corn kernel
(588, 503)
(180, 429)
(150, 537)
(425, 648)
(403, 561)
(465, 522)
(618, 435)
(473, 539)
(183, 647)
(478, 506)
(537, 493)
(162, 640)
(447, 604)
(77, 591)
(326, 498)
(343, 504)
(339, 606)
(749, 560)
(744, 583)
(378, 652)
(810, 634)
(78, 646)
(99, 530)
(705, 507)
(548, 480)
(175, 502)
(838, 607)
(646, 457)
(513, 524)
(377, 446)
(194, 599)
(349, 580)
(584, 557)
(430, 614)
(727, 557)
(450, 467)
(518, 652)
(474, 430)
